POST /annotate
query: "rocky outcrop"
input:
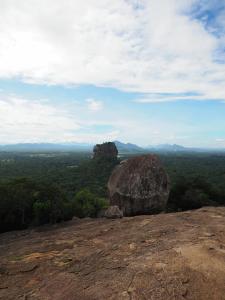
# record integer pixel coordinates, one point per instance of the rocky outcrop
(105, 150)
(113, 212)
(164, 257)
(139, 185)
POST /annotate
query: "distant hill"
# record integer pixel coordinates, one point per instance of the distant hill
(179, 148)
(168, 147)
(49, 147)
(80, 147)
(128, 147)
(39, 147)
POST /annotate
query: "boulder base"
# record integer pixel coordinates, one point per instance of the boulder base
(139, 185)
(113, 212)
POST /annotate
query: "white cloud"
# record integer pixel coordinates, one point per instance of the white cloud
(220, 142)
(33, 121)
(94, 105)
(24, 120)
(153, 98)
(147, 46)
(27, 120)
(94, 138)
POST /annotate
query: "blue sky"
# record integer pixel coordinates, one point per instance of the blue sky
(146, 72)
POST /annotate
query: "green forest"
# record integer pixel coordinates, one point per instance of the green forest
(41, 188)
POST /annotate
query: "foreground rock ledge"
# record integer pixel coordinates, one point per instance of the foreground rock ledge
(167, 256)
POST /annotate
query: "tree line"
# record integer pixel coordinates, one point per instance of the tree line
(24, 203)
(41, 190)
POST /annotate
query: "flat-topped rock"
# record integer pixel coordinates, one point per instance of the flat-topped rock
(105, 150)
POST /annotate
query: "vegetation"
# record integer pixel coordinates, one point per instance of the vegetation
(86, 204)
(24, 202)
(37, 188)
(196, 180)
(192, 193)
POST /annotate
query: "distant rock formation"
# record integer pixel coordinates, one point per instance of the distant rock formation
(113, 212)
(105, 150)
(139, 185)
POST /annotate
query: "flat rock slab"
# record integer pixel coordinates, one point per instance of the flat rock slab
(166, 256)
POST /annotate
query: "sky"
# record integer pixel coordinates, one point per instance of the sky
(142, 71)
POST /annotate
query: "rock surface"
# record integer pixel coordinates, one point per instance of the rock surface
(105, 150)
(159, 257)
(113, 212)
(139, 185)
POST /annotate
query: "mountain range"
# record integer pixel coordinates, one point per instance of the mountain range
(80, 147)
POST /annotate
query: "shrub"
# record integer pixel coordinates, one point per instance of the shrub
(41, 212)
(193, 199)
(191, 193)
(87, 204)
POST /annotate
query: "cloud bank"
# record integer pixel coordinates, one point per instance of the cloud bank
(33, 121)
(37, 121)
(147, 46)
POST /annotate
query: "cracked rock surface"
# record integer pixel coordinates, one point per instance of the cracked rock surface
(165, 256)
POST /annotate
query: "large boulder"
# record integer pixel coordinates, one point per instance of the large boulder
(139, 185)
(105, 150)
(113, 212)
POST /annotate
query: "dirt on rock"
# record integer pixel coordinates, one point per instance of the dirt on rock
(165, 256)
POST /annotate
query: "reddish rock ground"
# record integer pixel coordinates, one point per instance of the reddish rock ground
(166, 256)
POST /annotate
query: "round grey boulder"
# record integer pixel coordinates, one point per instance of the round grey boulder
(139, 185)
